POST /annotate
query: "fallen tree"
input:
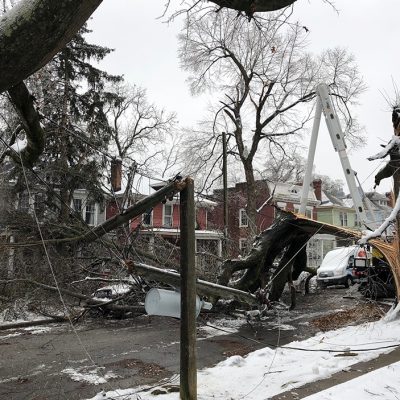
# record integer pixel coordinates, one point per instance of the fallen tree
(203, 288)
(285, 242)
(86, 301)
(33, 31)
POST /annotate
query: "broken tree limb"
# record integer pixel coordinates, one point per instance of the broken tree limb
(90, 301)
(251, 7)
(281, 239)
(275, 241)
(133, 211)
(203, 288)
(33, 31)
(23, 102)
(24, 324)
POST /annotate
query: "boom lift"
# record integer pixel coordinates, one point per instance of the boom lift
(324, 104)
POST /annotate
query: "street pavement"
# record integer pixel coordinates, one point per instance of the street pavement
(58, 362)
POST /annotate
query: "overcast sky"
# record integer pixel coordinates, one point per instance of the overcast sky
(146, 54)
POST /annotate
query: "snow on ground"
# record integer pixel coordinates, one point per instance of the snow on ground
(267, 372)
(35, 330)
(384, 383)
(227, 325)
(93, 376)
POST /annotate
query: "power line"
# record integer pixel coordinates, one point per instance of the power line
(332, 350)
(54, 275)
(94, 147)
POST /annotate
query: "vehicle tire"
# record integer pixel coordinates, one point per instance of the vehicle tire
(348, 282)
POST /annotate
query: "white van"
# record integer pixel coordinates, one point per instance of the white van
(337, 266)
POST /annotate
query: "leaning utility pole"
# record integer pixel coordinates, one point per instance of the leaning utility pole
(188, 377)
(225, 190)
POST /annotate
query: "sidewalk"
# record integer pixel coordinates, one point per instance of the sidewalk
(354, 371)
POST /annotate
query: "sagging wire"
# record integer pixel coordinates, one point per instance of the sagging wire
(272, 361)
(54, 276)
(330, 350)
(73, 213)
(104, 153)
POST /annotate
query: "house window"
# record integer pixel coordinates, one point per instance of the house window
(243, 246)
(167, 215)
(343, 219)
(243, 220)
(90, 212)
(77, 204)
(147, 217)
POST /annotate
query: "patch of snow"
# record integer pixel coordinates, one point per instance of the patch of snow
(385, 224)
(115, 290)
(92, 376)
(395, 141)
(383, 383)
(19, 145)
(7, 317)
(227, 327)
(10, 335)
(283, 327)
(36, 330)
(268, 372)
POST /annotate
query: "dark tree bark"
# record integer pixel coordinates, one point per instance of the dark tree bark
(287, 238)
(251, 7)
(23, 102)
(284, 238)
(33, 31)
(88, 300)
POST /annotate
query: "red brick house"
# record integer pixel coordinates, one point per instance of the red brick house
(284, 195)
(163, 221)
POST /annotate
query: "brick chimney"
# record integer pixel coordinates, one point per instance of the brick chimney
(116, 174)
(389, 196)
(317, 185)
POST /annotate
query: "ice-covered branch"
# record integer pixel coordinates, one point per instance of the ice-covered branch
(395, 141)
(379, 231)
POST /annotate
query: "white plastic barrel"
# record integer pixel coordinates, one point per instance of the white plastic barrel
(168, 303)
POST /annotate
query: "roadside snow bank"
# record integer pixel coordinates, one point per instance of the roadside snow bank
(267, 372)
(383, 383)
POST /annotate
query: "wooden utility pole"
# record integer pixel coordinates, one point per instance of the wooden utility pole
(225, 189)
(188, 377)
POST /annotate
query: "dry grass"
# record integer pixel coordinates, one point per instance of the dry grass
(363, 312)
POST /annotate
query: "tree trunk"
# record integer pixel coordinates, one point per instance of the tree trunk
(23, 102)
(202, 287)
(33, 31)
(285, 241)
(292, 263)
(251, 196)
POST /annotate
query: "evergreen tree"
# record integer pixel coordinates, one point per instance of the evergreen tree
(72, 98)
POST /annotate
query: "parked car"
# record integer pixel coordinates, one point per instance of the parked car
(112, 291)
(337, 266)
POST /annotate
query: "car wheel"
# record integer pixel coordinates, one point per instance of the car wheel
(348, 282)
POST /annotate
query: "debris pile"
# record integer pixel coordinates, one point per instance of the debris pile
(367, 312)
